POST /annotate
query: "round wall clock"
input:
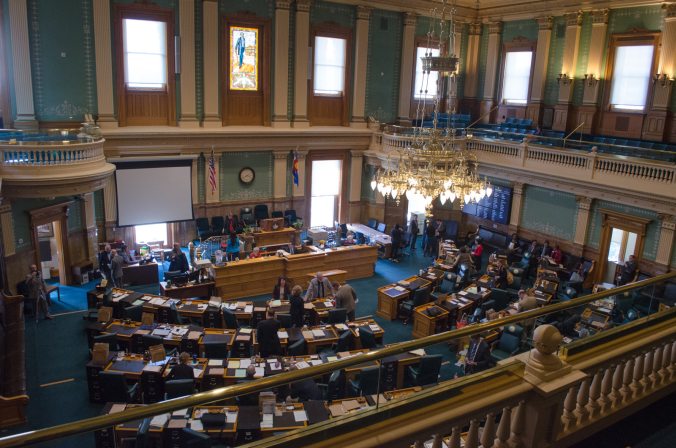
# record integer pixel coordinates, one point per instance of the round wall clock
(247, 175)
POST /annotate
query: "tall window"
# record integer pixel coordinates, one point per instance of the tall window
(326, 175)
(329, 62)
(631, 77)
(516, 79)
(145, 54)
(425, 86)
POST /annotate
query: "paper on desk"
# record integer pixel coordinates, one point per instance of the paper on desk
(157, 301)
(318, 333)
(114, 409)
(282, 335)
(341, 327)
(231, 306)
(308, 335)
(196, 425)
(328, 304)
(331, 358)
(147, 298)
(336, 410)
(462, 293)
(202, 306)
(178, 331)
(276, 365)
(245, 330)
(117, 299)
(316, 362)
(275, 303)
(240, 373)
(400, 288)
(374, 327)
(302, 365)
(159, 420)
(244, 363)
(231, 417)
(215, 362)
(418, 352)
(260, 372)
(138, 302)
(197, 372)
(300, 416)
(241, 304)
(267, 418)
(248, 309)
(349, 405)
(233, 364)
(180, 412)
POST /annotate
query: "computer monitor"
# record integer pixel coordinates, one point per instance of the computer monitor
(171, 275)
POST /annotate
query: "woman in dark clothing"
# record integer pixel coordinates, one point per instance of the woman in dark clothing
(282, 290)
(297, 306)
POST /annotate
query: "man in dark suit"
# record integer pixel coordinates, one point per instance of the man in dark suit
(116, 263)
(268, 340)
(319, 287)
(182, 371)
(628, 271)
(104, 263)
(478, 355)
(305, 390)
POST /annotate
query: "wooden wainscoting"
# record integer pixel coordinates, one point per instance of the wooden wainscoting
(327, 110)
(620, 124)
(244, 108)
(148, 108)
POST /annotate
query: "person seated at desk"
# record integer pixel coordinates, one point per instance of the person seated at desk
(282, 290)
(463, 257)
(500, 276)
(477, 251)
(557, 255)
(232, 247)
(182, 371)
(303, 390)
(297, 309)
(526, 301)
(268, 340)
(478, 355)
(319, 287)
(179, 262)
(256, 253)
(628, 271)
(349, 240)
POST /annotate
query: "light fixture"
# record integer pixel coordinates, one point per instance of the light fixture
(564, 79)
(662, 79)
(590, 80)
(437, 162)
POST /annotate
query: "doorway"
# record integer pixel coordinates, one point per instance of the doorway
(49, 230)
(622, 235)
(622, 245)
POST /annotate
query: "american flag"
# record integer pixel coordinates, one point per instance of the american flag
(212, 172)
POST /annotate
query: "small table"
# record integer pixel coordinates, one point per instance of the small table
(52, 288)
(426, 325)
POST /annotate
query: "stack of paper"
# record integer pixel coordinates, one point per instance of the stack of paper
(267, 421)
(248, 309)
(275, 303)
(233, 364)
(231, 417)
(260, 372)
(159, 420)
(282, 335)
(215, 362)
(196, 425)
(117, 408)
(328, 304)
(318, 333)
(244, 363)
(300, 416)
(245, 330)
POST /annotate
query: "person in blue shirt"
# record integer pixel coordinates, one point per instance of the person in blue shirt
(232, 247)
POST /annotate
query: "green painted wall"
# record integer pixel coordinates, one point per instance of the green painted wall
(62, 59)
(199, 63)
(343, 15)
(623, 20)
(230, 166)
(460, 79)
(582, 58)
(262, 8)
(555, 61)
(201, 180)
(483, 57)
(367, 173)
(652, 231)
(520, 28)
(75, 216)
(549, 212)
(384, 65)
(99, 206)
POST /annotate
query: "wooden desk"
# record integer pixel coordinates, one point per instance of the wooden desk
(319, 310)
(414, 282)
(202, 290)
(333, 275)
(360, 260)
(434, 276)
(389, 298)
(426, 325)
(226, 336)
(315, 342)
(377, 330)
(231, 417)
(246, 278)
(381, 239)
(281, 236)
(140, 274)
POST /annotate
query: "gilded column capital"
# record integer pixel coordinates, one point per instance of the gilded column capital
(410, 19)
(356, 153)
(475, 28)
(517, 188)
(282, 4)
(583, 202)
(363, 13)
(494, 27)
(303, 5)
(668, 222)
(599, 17)
(669, 11)
(545, 23)
(301, 153)
(573, 18)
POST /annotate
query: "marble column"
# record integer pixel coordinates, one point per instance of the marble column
(281, 81)
(210, 55)
(666, 243)
(489, 98)
(570, 52)
(356, 165)
(193, 181)
(515, 213)
(582, 223)
(21, 65)
(587, 112)
(361, 48)
(537, 94)
(472, 62)
(302, 67)
(655, 122)
(109, 206)
(188, 117)
(406, 73)
(90, 225)
(280, 173)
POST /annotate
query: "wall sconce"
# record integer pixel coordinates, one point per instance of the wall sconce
(662, 79)
(564, 79)
(590, 80)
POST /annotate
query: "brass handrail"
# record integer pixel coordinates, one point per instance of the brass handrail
(104, 421)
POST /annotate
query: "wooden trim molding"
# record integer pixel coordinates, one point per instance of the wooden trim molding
(57, 212)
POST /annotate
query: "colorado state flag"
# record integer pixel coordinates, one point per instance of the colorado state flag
(294, 170)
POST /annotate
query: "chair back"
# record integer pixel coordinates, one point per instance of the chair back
(261, 212)
(114, 386)
(230, 319)
(344, 343)
(246, 215)
(336, 385)
(290, 216)
(284, 320)
(218, 350)
(361, 238)
(298, 348)
(337, 316)
(368, 380)
(429, 369)
(508, 342)
(277, 214)
(421, 296)
(372, 223)
(195, 439)
(368, 339)
(446, 286)
(149, 340)
(133, 312)
(202, 224)
(178, 388)
(142, 436)
(217, 224)
(174, 317)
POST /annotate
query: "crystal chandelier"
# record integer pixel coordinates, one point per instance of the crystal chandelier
(436, 163)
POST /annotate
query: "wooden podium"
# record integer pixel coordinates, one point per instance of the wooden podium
(426, 325)
(389, 298)
(271, 224)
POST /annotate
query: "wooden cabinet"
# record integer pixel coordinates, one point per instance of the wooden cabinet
(425, 325)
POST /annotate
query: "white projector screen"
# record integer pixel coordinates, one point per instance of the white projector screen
(153, 192)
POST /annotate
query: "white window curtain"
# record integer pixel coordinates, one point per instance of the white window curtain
(422, 82)
(329, 70)
(145, 53)
(326, 175)
(631, 77)
(517, 76)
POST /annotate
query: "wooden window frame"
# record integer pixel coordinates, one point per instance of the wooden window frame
(517, 44)
(144, 12)
(635, 38)
(424, 42)
(229, 98)
(314, 116)
(343, 156)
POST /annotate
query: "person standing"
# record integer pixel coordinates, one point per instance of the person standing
(478, 355)
(297, 309)
(414, 229)
(240, 48)
(232, 247)
(116, 264)
(179, 262)
(628, 271)
(37, 292)
(346, 297)
(319, 287)
(396, 242)
(104, 262)
(268, 339)
(431, 242)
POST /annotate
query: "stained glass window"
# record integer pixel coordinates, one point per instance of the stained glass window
(243, 58)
